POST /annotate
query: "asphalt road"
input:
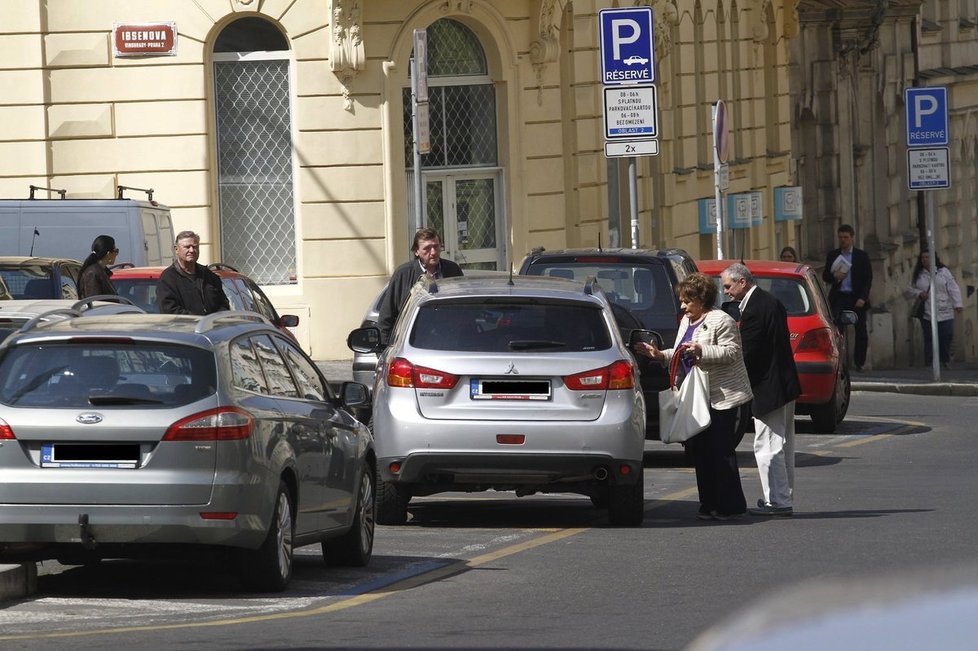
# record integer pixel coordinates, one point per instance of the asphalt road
(891, 492)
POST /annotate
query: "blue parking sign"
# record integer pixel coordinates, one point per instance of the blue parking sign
(927, 123)
(627, 50)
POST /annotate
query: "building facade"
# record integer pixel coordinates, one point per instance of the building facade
(281, 131)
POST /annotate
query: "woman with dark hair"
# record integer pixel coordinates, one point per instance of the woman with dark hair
(95, 273)
(948, 296)
(788, 254)
(710, 338)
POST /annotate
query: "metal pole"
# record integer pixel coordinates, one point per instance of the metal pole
(931, 294)
(418, 203)
(718, 193)
(633, 199)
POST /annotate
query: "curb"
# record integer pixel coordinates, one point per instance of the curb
(923, 389)
(17, 581)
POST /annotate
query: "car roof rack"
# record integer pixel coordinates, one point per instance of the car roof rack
(126, 306)
(209, 322)
(46, 316)
(34, 188)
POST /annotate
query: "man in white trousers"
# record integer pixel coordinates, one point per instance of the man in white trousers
(774, 382)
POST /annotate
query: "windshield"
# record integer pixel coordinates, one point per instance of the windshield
(80, 375)
(28, 281)
(510, 325)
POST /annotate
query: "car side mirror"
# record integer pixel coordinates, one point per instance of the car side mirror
(645, 336)
(847, 318)
(365, 340)
(288, 320)
(355, 395)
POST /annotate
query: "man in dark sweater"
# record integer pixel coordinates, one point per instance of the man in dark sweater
(186, 287)
(425, 261)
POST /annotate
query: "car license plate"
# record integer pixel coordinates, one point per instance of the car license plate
(506, 389)
(66, 455)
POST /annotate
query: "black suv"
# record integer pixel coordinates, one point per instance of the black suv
(641, 285)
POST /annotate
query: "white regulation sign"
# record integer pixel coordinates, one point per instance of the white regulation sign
(630, 112)
(928, 169)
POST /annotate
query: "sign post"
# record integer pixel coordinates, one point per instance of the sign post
(628, 75)
(928, 168)
(721, 149)
(419, 119)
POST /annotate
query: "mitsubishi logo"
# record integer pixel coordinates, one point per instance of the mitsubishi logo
(89, 418)
(512, 369)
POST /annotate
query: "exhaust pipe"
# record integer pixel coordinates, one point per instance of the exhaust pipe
(600, 473)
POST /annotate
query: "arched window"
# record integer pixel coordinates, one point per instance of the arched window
(255, 175)
(460, 174)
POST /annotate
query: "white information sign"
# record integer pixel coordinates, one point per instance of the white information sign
(928, 169)
(630, 112)
(624, 148)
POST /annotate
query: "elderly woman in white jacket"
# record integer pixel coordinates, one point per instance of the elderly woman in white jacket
(709, 338)
(948, 296)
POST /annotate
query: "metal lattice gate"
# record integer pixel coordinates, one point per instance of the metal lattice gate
(256, 196)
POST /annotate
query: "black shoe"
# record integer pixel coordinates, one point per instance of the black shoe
(705, 516)
(724, 517)
(772, 510)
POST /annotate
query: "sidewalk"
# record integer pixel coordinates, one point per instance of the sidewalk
(17, 581)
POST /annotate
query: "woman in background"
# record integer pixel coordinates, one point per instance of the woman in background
(948, 296)
(788, 254)
(94, 279)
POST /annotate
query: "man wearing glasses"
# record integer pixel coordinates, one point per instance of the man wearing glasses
(186, 287)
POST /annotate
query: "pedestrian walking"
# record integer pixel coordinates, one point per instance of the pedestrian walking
(709, 337)
(426, 261)
(95, 278)
(850, 277)
(948, 298)
(774, 382)
(186, 287)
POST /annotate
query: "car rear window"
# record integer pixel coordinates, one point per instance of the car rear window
(82, 375)
(141, 291)
(510, 325)
(644, 289)
(792, 292)
(29, 281)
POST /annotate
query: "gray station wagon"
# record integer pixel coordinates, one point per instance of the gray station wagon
(144, 434)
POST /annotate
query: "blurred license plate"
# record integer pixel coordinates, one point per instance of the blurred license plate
(66, 455)
(488, 389)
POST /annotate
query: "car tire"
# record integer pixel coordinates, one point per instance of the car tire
(269, 568)
(355, 547)
(826, 417)
(626, 505)
(392, 502)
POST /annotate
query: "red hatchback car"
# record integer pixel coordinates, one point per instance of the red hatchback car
(138, 284)
(818, 343)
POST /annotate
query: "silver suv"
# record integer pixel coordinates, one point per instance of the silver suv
(137, 434)
(517, 384)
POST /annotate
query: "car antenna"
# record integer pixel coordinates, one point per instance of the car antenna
(511, 283)
(599, 242)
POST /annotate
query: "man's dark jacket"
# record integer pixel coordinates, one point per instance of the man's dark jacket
(402, 280)
(179, 293)
(861, 274)
(767, 353)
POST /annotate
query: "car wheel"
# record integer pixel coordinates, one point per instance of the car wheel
(269, 568)
(626, 507)
(826, 417)
(355, 547)
(392, 502)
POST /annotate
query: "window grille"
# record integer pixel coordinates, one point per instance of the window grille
(255, 172)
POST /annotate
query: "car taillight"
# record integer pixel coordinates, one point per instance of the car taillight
(616, 376)
(221, 424)
(6, 433)
(819, 340)
(402, 373)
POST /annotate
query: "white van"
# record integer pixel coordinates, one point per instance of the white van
(65, 228)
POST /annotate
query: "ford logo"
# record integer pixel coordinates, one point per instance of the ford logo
(89, 418)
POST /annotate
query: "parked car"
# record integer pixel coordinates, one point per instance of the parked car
(16, 314)
(138, 284)
(817, 340)
(150, 434)
(521, 384)
(641, 285)
(28, 277)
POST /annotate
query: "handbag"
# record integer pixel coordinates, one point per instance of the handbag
(684, 412)
(917, 311)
